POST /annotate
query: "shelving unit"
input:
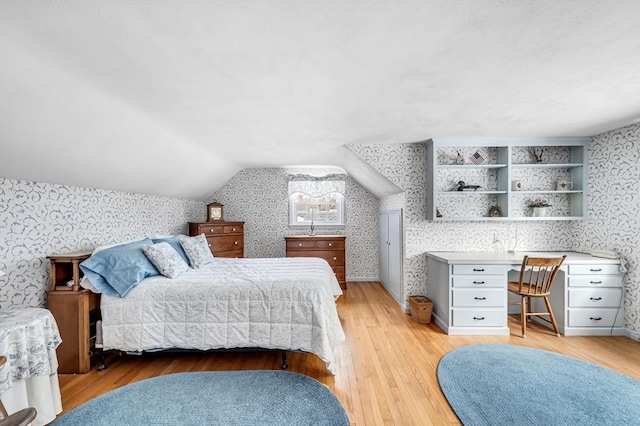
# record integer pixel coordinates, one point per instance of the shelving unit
(504, 161)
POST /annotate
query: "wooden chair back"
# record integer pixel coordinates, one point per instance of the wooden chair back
(537, 274)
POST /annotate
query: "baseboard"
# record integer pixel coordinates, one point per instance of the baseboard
(361, 279)
(633, 335)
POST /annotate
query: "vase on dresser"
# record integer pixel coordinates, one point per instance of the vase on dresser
(540, 211)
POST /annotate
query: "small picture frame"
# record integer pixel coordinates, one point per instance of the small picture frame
(215, 212)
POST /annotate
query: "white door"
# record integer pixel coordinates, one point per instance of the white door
(390, 255)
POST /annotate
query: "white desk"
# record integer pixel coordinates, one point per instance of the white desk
(29, 338)
(470, 297)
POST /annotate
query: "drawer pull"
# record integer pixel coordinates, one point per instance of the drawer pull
(330, 244)
(478, 270)
(595, 318)
(480, 298)
(235, 242)
(209, 245)
(478, 282)
(299, 244)
(233, 229)
(595, 282)
(595, 298)
(210, 230)
(596, 270)
(335, 258)
(478, 318)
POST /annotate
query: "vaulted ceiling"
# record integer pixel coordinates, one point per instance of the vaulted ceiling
(175, 97)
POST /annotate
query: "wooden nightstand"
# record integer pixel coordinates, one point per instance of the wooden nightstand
(76, 312)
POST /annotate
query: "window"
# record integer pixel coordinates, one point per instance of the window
(317, 200)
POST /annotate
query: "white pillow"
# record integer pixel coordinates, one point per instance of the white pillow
(197, 250)
(166, 259)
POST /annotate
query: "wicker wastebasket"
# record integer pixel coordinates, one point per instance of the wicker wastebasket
(421, 308)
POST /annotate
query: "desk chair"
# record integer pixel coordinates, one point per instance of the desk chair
(19, 418)
(536, 278)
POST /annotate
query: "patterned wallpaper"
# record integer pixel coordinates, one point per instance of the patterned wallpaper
(40, 219)
(259, 197)
(613, 178)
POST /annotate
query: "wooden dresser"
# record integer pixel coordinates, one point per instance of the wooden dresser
(226, 239)
(329, 247)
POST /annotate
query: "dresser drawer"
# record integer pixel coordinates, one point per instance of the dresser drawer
(334, 258)
(478, 269)
(468, 297)
(593, 317)
(211, 229)
(594, 269)
(233, 229)
(222, 243)
(230, 254)
(330, 244)
(463, 317)
(339, 272)
(480, 281)
(300, 244)
(594, 297)
(595, 280)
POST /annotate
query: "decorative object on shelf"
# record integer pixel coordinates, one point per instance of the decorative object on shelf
(459, 160)
(476, 158)
(537, 154)
(494, 211)
(516, 185)
(462, 186)
(214, 212)
(564, 185)
(438, 214)
(540, 207)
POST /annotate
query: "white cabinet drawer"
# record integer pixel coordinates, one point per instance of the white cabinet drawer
(594, 297)
(478, 269)
(471, 297)
(481, 281)
(594, 269)
(593, 317)
(595, 280)
(463, 317)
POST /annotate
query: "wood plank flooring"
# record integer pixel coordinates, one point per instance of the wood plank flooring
(386, 368)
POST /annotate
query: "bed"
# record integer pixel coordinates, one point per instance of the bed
(285, 304)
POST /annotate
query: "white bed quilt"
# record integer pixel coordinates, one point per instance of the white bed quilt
(275, 303)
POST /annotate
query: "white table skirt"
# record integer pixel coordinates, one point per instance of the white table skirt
(41, 392)
(29, 338)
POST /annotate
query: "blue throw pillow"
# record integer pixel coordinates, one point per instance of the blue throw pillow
(175, 243)
(115, 271)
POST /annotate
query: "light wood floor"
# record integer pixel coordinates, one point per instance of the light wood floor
(386, 369)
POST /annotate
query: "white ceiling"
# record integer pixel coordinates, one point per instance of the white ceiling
(175, 97)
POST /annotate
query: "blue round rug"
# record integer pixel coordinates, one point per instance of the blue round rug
(513, 385)
(256, 397)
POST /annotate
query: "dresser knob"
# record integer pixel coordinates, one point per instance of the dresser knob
(330, 244)
(209, 245)
(233, 229)
(299, 244)
(235, 242)
(210, 230)
(335, 258)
